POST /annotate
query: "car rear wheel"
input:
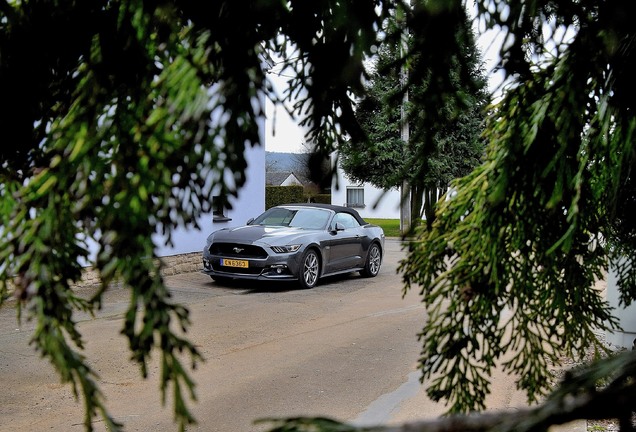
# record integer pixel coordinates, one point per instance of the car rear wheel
(309, 270)
(374, 259)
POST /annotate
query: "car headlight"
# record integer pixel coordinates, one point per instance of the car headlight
(286, 249)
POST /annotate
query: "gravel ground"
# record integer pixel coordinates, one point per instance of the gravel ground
(565, 364)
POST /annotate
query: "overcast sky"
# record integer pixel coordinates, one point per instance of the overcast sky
(282, 134)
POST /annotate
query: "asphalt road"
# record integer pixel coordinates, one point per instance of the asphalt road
(346, 349)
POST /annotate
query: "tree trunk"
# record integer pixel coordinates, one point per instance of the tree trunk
(416, 205)
(429, 206)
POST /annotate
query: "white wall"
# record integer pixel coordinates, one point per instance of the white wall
(626, 315)
(250, 203)
(379, 203)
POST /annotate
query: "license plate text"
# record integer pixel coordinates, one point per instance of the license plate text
(234, 263)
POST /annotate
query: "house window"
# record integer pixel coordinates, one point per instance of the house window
(218, 210)
(355, 197)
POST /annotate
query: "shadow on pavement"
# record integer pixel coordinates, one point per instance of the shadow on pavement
(256, 287)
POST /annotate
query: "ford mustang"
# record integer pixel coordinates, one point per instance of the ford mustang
(298, 242)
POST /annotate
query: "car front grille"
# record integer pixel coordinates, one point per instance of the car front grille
(233, 250)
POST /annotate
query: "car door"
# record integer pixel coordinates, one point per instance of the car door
(345, 246)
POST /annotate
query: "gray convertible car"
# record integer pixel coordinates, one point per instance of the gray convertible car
(301, 242)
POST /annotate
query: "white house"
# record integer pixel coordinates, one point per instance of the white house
(626, 315)
(282, 178)
(368, 200)
(188, 242)
(250, 203)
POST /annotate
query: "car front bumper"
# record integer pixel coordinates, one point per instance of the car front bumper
(274, 267)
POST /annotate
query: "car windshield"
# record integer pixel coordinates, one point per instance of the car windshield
(294, 217)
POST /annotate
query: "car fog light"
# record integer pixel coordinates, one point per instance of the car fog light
(279, 268)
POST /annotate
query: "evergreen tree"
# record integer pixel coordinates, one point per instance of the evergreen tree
(445, 140)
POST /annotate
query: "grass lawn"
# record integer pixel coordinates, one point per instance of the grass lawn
(391, 227)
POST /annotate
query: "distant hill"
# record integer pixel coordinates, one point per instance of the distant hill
(296, 163)
(275, 161)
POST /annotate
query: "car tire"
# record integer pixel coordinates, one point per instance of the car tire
(374, 260)
(309, 269)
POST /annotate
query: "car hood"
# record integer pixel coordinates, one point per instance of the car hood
(270, 235)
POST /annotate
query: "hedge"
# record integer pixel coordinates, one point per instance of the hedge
(277, 195)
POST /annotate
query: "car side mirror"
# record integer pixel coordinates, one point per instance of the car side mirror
(249, 221)
(339, 227)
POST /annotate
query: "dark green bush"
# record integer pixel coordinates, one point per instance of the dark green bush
(276, 195)
(322, 198)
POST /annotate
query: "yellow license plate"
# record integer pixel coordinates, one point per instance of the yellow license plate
(234, 263)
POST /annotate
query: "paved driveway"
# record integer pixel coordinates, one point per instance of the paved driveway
(346, 349)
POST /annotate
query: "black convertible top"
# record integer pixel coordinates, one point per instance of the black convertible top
(336, 208)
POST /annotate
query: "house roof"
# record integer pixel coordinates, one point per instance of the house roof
(276, 178)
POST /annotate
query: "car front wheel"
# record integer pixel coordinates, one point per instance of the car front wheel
(309, 270)
(374, 259)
